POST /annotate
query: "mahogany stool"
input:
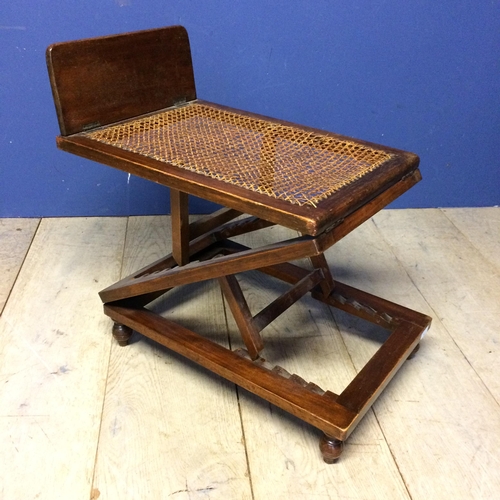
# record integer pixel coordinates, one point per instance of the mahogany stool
(129, 101)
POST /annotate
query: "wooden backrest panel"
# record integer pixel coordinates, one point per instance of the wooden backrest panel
(103, 80)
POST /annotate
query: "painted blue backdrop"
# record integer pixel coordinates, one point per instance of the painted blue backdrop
(422, 76)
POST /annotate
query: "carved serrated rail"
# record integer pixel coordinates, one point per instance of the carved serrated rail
(279, 370)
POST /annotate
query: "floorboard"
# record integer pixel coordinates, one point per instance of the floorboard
(15, 238)
(481, 226)
(462, 287)
(54, 359)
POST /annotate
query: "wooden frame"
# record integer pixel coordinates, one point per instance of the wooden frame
(125, 83)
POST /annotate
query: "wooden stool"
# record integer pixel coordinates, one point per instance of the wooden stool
(129, 101)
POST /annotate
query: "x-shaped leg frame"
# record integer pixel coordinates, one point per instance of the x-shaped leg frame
(203, 250)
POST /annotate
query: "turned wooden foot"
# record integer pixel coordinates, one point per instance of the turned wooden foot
(121, 333)
(414, 352)
(330, 448)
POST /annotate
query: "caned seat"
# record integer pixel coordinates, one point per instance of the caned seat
(129, 101)
(263, 156)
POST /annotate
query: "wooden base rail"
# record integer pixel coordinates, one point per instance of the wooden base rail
(212, 255)
(335, 415)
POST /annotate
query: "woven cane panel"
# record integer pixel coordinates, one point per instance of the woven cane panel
(280, 161)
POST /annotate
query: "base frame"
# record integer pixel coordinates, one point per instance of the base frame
(211, 254)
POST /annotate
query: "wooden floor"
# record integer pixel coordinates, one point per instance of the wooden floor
(82, 418)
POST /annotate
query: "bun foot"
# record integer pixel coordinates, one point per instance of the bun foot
(330, 448)
(414, 352)
(122, 334)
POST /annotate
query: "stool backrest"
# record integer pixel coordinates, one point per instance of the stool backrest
(104, 80)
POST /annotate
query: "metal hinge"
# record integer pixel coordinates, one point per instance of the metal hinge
(409, 174)
(90, 126)
(179, 101)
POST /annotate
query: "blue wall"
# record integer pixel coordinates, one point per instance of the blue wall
(422, 76)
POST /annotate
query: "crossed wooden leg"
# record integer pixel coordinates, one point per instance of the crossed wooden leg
(207, 253)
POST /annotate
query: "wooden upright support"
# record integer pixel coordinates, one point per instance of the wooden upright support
(180, 226)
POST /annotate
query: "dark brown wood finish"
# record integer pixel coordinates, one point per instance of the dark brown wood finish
(204, 270)
(305, 219)
(122, 334)
(104, 80)
(110, 79)
(330, 448)
(242, 315)
(327, 283)
(282, 303)
(281, 391)
(180, 226)
(212, 221)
